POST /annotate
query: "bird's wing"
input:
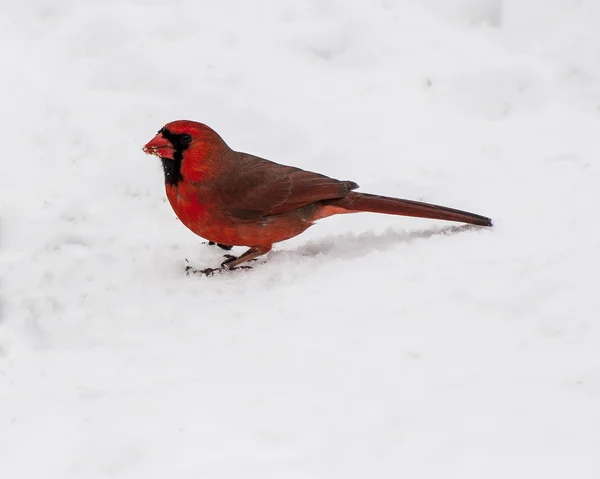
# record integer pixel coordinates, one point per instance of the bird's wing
(260, 187)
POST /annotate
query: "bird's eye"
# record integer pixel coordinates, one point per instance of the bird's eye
(185, 139)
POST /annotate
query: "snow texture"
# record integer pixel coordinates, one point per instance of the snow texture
(371, 346)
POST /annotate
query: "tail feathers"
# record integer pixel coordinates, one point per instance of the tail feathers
(364, 202)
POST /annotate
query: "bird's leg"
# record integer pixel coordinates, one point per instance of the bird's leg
(230, 257)
(232, 262)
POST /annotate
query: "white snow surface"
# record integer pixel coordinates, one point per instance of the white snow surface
(371, 346)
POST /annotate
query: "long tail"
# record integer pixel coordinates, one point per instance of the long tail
(355, 202)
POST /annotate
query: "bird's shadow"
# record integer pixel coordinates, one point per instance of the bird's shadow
(351, 245)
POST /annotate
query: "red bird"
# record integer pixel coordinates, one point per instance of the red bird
(233, 198)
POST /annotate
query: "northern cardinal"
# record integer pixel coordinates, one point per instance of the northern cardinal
(233, 198)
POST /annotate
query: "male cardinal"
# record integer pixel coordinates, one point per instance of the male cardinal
(233, 198)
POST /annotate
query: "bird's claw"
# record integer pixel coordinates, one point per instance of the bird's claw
(191, 270)
(206, 271)
(222, 246)
(210, 271)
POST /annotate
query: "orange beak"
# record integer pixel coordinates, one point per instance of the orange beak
(160, 147)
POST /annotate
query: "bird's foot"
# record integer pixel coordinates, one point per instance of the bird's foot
(206, 271)
(222, 246)
(210, 271)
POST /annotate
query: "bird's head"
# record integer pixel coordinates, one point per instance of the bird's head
(185, 148)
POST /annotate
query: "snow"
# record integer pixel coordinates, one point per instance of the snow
(370, 346)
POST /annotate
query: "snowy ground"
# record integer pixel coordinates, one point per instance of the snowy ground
(369, 347)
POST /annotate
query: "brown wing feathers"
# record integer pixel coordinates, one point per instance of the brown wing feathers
(268, 188)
